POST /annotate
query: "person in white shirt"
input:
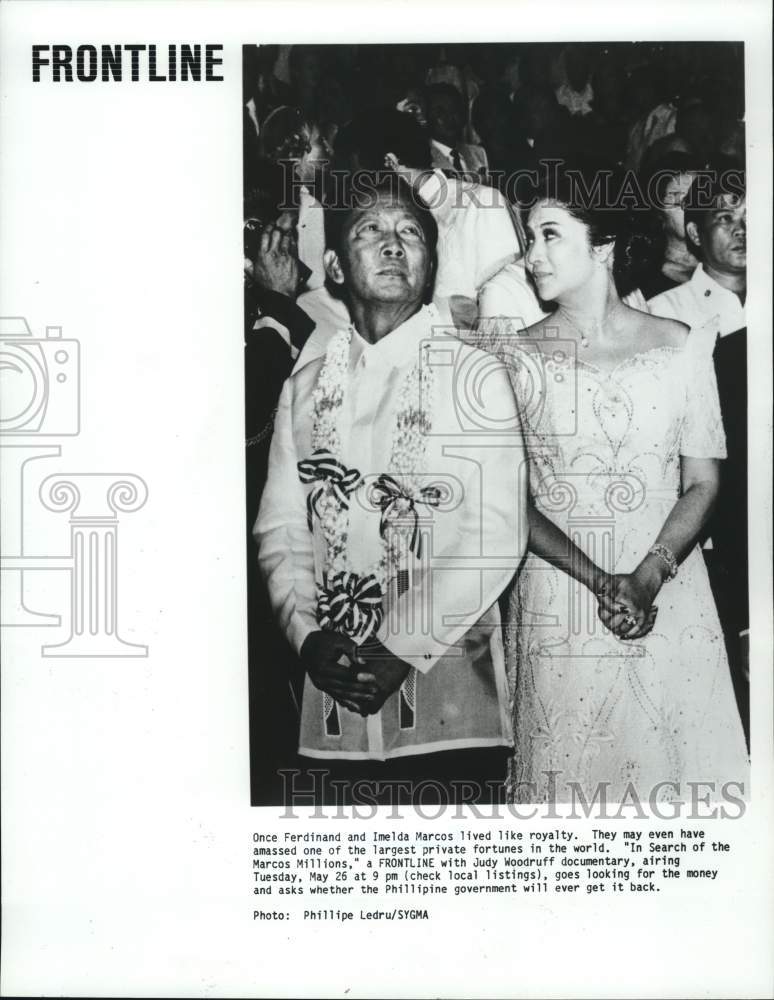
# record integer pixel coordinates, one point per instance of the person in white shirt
(477, 229)
(712, 301)
(393, 519)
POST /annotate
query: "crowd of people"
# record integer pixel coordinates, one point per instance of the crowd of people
(553, 598)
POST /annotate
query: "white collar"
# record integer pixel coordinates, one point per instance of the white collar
(400, 347)
(567, 88)
(446, 150)
(707, 285)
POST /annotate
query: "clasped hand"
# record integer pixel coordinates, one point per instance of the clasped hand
(626, 605)
(363, 684)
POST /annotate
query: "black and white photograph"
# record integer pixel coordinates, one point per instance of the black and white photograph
(495, 387)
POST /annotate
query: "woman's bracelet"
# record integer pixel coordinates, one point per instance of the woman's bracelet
(667, 556)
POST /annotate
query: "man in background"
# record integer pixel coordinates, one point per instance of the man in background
(446, 120)
(712, 301)
(712, 304)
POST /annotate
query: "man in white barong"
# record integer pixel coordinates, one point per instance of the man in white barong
(393, 518)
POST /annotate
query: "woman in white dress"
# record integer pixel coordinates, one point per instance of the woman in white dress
(619, 676)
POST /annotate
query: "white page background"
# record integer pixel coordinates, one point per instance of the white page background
(125, 786)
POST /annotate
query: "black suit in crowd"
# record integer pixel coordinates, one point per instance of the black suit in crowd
(729, 523)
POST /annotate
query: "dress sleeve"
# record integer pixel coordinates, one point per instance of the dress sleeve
(702, 434)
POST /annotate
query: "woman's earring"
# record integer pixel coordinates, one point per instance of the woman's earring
(603, 253)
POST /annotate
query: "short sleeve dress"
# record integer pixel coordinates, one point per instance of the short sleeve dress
(593, 714)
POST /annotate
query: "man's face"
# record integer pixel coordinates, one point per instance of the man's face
(444, 117)
(723, 235)
(384, 255)
(673, 213)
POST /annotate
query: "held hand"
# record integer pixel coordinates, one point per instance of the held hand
(320, 656)
(383, 669)
(275, 264)
(626, 605)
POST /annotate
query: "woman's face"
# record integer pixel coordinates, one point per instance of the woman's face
(559, 255)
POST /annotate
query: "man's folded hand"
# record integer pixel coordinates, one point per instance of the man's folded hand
(383, 669)
(322, 654)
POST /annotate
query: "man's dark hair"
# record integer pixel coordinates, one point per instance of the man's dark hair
(373, 134)
(725, 177)
(446, 90)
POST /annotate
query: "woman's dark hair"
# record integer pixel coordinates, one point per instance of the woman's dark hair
(611, 205)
